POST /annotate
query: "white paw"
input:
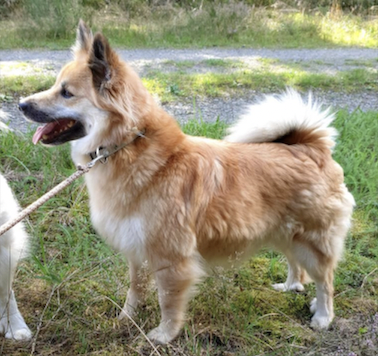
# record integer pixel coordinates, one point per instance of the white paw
(313, 306)
(280, 287)
(19, 335)
(14, 327)
(296, 286)
(161, 335)
(320, 322)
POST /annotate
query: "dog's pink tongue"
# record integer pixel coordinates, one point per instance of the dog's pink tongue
(43, 130)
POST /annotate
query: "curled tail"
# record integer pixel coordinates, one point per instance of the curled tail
(287, 119)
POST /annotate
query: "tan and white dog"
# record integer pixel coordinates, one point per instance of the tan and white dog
(183, 203)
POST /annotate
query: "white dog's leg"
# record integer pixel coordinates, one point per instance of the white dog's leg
(12, 247)
(12, 324)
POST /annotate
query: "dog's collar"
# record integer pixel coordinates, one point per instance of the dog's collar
(102, 153)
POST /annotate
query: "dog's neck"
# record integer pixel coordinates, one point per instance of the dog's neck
(102, 153)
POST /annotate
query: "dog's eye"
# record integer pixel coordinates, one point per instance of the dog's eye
(66, 94)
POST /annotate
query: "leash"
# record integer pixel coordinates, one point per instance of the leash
(44, 198)
(101, 155)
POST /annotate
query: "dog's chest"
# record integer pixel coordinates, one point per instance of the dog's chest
(121, 228)
(125, 235)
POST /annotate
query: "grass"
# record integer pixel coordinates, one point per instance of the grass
(70, 288)
(212, 63)
(171, 86)
(214, 24)
(263, 80)
(21, 85)
(71, 285)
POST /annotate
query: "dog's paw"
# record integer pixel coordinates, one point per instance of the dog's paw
(161, 335)
(313, 306)
(320, 322)
(284, 287)
(19, 335)
(129, 309)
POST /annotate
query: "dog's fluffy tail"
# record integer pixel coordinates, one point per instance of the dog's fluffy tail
(286, 119)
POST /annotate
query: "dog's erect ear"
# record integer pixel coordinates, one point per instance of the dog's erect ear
(100, 60)
(84, 39)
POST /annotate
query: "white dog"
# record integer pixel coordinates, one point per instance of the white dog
(13, 245)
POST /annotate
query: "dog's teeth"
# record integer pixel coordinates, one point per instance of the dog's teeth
(45, 137)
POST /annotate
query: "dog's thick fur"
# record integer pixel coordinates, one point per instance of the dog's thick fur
(13, 245)
(183, 203)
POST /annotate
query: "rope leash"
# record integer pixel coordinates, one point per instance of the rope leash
(44, 198)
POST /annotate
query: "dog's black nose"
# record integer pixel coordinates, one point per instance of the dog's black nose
(23, 106)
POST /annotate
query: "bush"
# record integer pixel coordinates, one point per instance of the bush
(61, 11)
(7, 7)
(55, 18)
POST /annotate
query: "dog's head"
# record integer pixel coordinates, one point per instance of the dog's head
(96, 99)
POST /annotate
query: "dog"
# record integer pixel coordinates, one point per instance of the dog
(185, 203)
(13, 246)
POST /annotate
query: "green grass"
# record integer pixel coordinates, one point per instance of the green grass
(223, 63)
(18, 85)
(214, 24)
(72, 284)
(171, 86)
(208, 63)
(361, 63)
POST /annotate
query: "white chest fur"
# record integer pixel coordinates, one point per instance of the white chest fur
(122, 230)
(126, 235)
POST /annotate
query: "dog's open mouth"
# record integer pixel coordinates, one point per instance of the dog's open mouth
(58, 131)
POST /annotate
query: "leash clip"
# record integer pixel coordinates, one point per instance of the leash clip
(98, 156)
(103, 158)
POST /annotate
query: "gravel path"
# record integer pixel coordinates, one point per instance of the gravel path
(336, 56)
(209, 109)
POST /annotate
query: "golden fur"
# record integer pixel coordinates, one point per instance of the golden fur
(182, 203)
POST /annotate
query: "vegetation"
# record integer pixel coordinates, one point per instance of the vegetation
(233, 79)
(197, 23)
(170, 86)
(71, 287)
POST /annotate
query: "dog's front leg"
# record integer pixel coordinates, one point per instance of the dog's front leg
(12, 324)
(174, 283)
(139, 279)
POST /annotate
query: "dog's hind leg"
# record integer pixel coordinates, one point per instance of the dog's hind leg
(296, 277)
(320, 268)
(174, 287)
(139, 279)
(322, 305)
